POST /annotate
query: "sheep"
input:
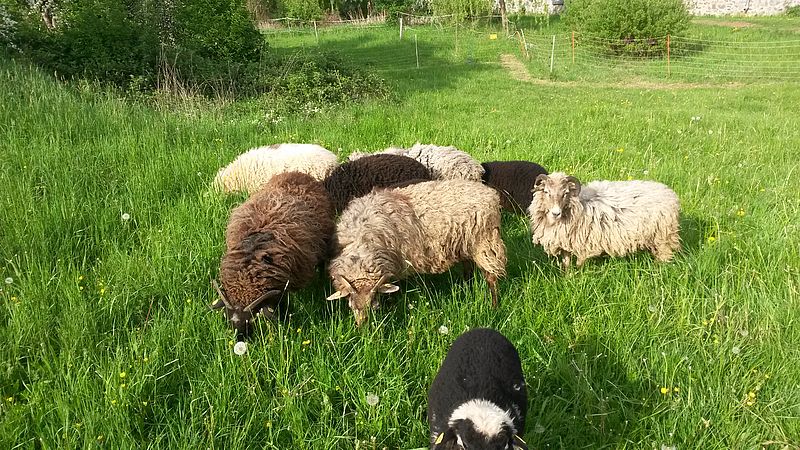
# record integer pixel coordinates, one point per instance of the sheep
(514, 180)
(445, 163)
(479, 399)
(252, 169)
(356, 178)
(274, 241)
(603, 217)
(423, 228)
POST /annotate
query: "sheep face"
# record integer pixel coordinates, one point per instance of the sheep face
(463, 434)
(553, 194)
(361, 294)
(241, 318)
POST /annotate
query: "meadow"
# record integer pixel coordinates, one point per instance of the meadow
(110, 235)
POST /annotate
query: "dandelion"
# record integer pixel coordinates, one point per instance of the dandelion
(299, 330)
(751, 395)
(740, 213)
(372, 399)
(620, 149)
(123, 374)
(307, 341)
(9, 280)
(710, 131)
(145, 359)
(667, 447)
(711, 239)
(744, 333)
(10, 399)
(144, 403)
(444, 330)
(664, 390)
(705, 323)
(646, 172)
(240, 348)
(100, 438)
(126, 217)
(676, 389)
(80, 278)
(123, 386)
(736, 350)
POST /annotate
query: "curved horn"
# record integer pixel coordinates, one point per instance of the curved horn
(540, 179)
(222, 300)
(380, 282)
(266, 295)
(576, 185)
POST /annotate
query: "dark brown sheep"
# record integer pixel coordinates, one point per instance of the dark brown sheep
(514, 180)
(357, 178)
(274, 242)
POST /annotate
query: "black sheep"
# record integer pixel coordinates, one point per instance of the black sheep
(514, 180)
(478, 400)
(357, 178)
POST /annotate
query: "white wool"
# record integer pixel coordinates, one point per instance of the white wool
(608, 217)
(487, 417)
(252, 169)
(445, 163)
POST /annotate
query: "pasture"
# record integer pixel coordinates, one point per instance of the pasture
(110, 235)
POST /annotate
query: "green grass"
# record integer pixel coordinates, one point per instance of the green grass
(107, 340)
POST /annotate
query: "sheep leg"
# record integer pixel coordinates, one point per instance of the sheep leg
(491, 280)
(468, 269)
(566, 258)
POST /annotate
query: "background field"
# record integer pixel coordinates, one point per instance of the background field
(107, 339)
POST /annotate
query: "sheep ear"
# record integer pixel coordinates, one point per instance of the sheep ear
(444, 438)
(540, 179)
(388, 288)
(574, 185)
(337, 295)
(518, 443)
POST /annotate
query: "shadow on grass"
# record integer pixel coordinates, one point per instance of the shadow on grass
(693, 232)
(583, 399)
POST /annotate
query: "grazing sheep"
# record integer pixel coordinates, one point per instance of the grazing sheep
(478, 400)
(603, 217)
(354, 179)
(274, 242)
(423, 228)
(252, 169)
(514, 180)
(445, 163)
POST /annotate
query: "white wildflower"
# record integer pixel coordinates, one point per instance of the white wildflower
(126, 217)
(444, 330)
(372, 399)
(240, 348)
(736, 350)
(9, 280)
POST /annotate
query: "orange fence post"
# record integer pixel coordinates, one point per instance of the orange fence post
(669, 71)
(573, 47)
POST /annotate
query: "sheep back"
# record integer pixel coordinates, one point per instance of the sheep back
(444, 162)
(481, 364)
(255, 167)
(514, 180)
(278, 235)
(357, 178)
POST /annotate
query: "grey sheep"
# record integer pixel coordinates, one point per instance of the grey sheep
(423, 228)
(478, 400)
(604, 217)
(354, 179)
(444, 163)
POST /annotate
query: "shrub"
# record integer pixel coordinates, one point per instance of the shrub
(302, 9)
(461, 9)
(629, 26)
(8, 27)
(793, 11)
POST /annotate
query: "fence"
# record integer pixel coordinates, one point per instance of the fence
(425, 42)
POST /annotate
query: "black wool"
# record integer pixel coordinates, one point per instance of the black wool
(514, 180)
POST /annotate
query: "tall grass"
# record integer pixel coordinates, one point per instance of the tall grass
(108, 340)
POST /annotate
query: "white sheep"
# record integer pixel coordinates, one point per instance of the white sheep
(252, 169)
(445, 163)
(604, 217)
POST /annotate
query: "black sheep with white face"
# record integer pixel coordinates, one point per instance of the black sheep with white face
(479, 399)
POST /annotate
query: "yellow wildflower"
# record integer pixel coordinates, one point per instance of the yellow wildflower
(676, 389)
(123, 374)
(711, 239)
(307, 341)
(664, 390)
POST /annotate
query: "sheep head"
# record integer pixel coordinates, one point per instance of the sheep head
(242, 318)
(465, 434)
(361, 294)
(554, 193)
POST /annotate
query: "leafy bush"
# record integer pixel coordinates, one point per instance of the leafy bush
(793, 11)
(461, 9)
(8, 27)
(629, 26)
(301, 9)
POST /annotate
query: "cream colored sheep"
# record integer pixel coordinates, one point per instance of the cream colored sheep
(445, 163)
(252, 169)
(604, 217)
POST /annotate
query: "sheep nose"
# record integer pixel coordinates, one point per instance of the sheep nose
(556, 212)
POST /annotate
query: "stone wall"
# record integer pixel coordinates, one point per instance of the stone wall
(696, 7)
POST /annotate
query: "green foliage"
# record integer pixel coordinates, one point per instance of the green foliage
(793, 11)
(461, 9)
(630, 26)
(302, 9)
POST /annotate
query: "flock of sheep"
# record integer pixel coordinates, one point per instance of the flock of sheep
(381, 217)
